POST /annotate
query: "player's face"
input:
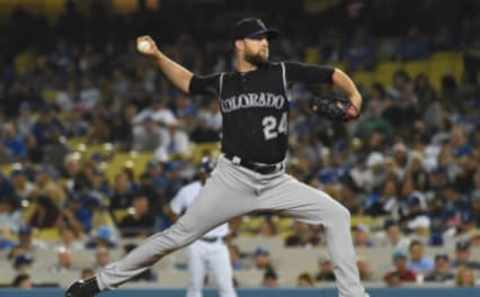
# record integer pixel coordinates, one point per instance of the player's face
(256, 50)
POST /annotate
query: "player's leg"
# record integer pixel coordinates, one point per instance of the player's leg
(219, 260)
(196, 267)
(312, 206)
(223, 197)
(216, 204)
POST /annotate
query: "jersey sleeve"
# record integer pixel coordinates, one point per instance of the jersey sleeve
(308, 74)
(205, 85)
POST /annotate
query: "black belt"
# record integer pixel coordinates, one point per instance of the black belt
(260, 168)
(211, 239)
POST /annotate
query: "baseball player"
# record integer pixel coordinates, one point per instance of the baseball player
(250, 173)
(209, 252)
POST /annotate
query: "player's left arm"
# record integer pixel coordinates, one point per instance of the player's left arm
(341, 80)
(314, 74)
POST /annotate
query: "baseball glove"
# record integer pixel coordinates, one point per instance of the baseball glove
(335, 108)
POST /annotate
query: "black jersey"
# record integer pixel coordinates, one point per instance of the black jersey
(255, 107)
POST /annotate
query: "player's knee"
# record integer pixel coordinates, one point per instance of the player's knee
(186, 235)
(177, 236)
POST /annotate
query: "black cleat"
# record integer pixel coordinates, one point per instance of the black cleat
(83, 288)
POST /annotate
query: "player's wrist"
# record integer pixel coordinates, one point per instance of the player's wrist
(356, 100)
(157, 55)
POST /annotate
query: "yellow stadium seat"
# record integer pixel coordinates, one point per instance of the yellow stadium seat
(201, 149)
(284, 225)
(414, 68)
(312, 55)
(116, 165)
(47, 234)
(367, 221)
(384, 72)
(104, 218)
(137, 161)
(339, 65)
(315, 6)
(53, 8)
(250, 224)
(445, 63)
(140, 162)
(366, 78)
(24, 62)
(6, 169)
(119, 214)
(49, 95)
(73, 143)
(92, 149)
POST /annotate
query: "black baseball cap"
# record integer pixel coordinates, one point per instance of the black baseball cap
(251, 28)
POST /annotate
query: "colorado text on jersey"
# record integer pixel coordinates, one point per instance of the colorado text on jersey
(252, 100)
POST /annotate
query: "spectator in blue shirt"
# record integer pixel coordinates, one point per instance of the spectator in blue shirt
(418, 262)
(13, 142)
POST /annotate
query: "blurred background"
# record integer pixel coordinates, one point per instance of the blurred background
(94, 142)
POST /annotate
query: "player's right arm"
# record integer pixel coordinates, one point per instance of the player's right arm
(181, 77)
(178, 75)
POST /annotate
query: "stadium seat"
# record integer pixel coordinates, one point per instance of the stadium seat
(48, 234)
(364, 78)
(8, 273)
(444, 63)
(249, 278)
(384, 72)
(249, 244)
(199, 150)
(137, 161)
(414, 68)
(172, 279)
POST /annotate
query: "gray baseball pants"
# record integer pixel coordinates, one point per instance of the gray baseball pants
(232, 191)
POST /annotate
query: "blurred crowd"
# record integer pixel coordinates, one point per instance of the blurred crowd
(411, 161)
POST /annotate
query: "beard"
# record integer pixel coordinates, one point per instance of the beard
(256, 59)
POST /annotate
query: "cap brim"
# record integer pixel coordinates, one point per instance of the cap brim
(269, 33)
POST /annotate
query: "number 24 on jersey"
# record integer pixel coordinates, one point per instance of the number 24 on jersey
(270, 127)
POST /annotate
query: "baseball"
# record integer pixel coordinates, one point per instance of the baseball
(143, 46)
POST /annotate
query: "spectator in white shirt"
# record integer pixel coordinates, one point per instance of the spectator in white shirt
(158, 113)
(173, 141)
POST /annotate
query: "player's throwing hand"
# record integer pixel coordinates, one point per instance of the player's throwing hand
(146, 46)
